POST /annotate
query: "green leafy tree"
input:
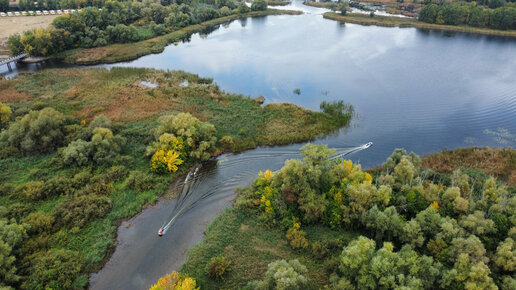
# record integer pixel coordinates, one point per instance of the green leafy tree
(243, 8)
(259, 5)
(199, 137)
(37, 132)
(11, 237)
(14, 44)
(505, 256)
(284, 275)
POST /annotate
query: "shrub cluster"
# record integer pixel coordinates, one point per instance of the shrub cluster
(78, 211)
(37, 132)
(217, 267)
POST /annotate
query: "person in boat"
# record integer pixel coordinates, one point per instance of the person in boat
(160, 232)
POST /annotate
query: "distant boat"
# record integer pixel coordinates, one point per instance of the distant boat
(368, 145)
(161, 232)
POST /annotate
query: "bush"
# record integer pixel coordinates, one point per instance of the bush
(77, 153)
(55, 269)
(139, 181)
(59, 185)
(37, 132)
(217, 267)
(18, 210)
(259, 5)
(39, 222)
(242, 8)
(6, 189)
(175, 280)
(325, 248)
(81, 179)
(284, 275)
(296, 237)
(100, 121)
(78, 211)
(104, 148)
(31, 191)
(116, 173)
(5, 115)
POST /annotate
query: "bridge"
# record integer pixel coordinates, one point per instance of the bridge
(15, 58)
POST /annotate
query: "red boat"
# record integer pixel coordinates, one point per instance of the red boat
(161, 232)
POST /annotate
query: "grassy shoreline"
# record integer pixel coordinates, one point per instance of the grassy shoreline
(130, 51)
(391, 21)
(277, 3)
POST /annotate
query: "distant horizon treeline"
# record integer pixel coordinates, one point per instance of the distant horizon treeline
(503, 18)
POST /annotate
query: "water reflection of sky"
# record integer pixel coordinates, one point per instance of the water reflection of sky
(422, 90)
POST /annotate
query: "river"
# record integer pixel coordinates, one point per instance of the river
(416, 89)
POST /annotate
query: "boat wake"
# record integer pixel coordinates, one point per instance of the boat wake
(191, 196)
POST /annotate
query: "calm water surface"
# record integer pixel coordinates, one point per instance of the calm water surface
(420, 90)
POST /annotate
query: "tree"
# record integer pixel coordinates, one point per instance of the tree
(343, 7)
(259, 5)
(175, 280)
(14, 44)
(37, 132)
(505, 256)
(386, 225)
(4, 5)
(37, 42)
(5, 115)
(11, 237)
(284, 275)
(199, 137)
(243, 8)
(477, 224)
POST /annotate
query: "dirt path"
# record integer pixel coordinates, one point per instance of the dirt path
(18, 24)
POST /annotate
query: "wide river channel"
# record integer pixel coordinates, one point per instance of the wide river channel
(416, 89)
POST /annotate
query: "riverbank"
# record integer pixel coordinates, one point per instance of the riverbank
(390, 21)
(277, 3)
(130, 51)
(121, 188)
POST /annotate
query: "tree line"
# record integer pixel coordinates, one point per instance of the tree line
(503, 18)
(121, 22)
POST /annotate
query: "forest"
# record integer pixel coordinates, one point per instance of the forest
(322, 222)
(122, 22)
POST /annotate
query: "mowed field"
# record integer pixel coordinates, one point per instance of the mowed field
(18, 24)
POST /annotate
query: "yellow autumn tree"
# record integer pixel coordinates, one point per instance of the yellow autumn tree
(5, 115)
(175, 281)
(163, 162)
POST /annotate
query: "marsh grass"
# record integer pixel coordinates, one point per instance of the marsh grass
(117, 94)
(250, 246)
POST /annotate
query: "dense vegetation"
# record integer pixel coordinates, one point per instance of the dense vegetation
(327, 222)
(122, 22)
(82, 149)
(503, 18)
